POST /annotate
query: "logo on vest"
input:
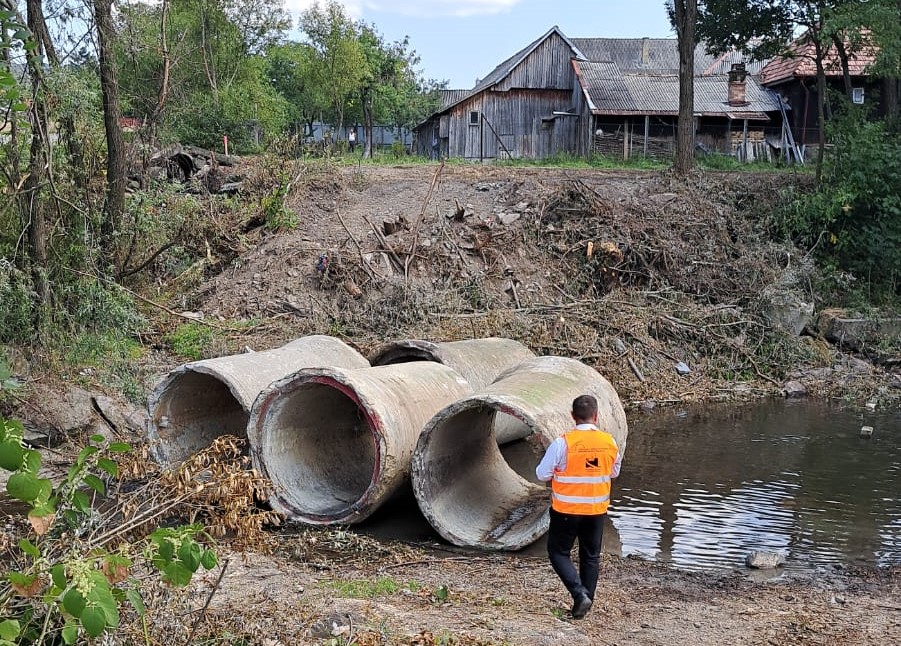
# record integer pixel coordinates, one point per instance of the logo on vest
(592, 463)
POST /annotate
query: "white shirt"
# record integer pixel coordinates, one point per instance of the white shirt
(555, 457)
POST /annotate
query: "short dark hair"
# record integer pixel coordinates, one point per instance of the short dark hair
(585, 407)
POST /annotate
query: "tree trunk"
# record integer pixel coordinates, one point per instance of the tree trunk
(821, 110)
(842, 52)
(115, 146)
(686, 14)
(367, 124)
(32, 199)
(163, 94)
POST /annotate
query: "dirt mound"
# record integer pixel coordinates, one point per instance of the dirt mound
(635, 273)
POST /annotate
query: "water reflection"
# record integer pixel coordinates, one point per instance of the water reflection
(701, 488)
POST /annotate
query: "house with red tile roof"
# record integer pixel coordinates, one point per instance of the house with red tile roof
(794, 76)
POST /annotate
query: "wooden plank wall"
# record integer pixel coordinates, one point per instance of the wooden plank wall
(522, 120)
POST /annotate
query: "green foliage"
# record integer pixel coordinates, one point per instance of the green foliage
(368, 589)
(176, 553)
(12, 96)
(82, 586)
(191, 340)
(277, 216)
(729, 163)
(18, 299)
(247, 111)
(853, 219)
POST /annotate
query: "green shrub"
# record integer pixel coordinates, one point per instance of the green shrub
(853, 219)
(81, 585)
(17, 301)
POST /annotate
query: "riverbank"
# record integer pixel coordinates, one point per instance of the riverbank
(337, 587)
(673, 291)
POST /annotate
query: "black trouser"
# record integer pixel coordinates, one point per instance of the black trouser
(564, 530)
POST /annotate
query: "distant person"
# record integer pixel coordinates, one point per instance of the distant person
(352, 139)
(580, 465)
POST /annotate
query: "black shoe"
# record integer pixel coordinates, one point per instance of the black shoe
(581, 606)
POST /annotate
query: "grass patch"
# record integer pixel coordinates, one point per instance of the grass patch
(368, 589)
(191, 340)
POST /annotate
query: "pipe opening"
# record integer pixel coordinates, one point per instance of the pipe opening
(490, 497)
(320, 452)
(403, 354)
(194, 410)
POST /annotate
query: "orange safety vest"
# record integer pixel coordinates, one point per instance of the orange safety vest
(583, 487)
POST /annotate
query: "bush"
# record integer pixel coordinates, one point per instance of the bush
(853, 220)
(17, 299)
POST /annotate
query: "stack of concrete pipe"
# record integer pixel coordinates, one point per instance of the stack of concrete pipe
(199, 401)
(338, 435)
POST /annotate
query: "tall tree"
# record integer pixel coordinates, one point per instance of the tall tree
(766, 28)
(341, 64)
(684, 16)
(34, 195)
(292, 72)
(114, 205)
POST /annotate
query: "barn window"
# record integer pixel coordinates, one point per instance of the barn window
(474, 118)
(857, 95)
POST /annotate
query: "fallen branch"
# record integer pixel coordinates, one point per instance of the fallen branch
(384, 244)
(207, 604)
(425, 204)
(148, 301)
(635, 369)
(366, 266)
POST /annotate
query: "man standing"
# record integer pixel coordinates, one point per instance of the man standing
(352, 138)
(580, 466)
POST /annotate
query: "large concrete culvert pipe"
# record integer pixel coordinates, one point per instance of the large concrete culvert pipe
(199, 401)
(476, 485)
(336, 444)
(479, 361)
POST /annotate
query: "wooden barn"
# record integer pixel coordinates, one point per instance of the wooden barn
(587, 96)
(512, 112)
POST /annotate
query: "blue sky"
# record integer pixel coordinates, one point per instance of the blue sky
(462, 40)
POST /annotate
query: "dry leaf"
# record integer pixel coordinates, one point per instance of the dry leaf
(41, 524)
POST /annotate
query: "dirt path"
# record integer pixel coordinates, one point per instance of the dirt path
(403, 595)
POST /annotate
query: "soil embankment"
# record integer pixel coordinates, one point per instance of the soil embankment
(674, 291)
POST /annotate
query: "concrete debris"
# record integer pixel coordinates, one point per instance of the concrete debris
(794, 390)
(760, 560)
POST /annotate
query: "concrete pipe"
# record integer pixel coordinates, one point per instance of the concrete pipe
(479, 361)
(199, 401)
(478, 489)
(336, 444)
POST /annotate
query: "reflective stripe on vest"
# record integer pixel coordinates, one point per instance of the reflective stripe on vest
(583, 488)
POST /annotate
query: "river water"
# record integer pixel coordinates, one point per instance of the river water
(702, 487)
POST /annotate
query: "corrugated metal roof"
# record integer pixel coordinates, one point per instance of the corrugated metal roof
(612, 93)
(724, 62)
(799, 62)
(632, 55)
(452, 97)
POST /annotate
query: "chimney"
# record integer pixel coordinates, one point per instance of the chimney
(645, 52)
(737, 76)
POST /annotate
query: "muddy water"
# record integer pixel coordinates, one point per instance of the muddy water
(702, 487)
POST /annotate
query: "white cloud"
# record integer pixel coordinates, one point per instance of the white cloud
(434, 8)
(353, 8)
